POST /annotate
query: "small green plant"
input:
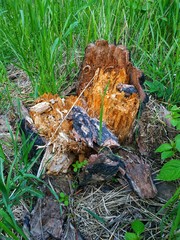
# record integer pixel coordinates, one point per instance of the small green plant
(168, 150)
(63, 198)
(170, 172)
(175, 117)
(78, 165)
(138, 228)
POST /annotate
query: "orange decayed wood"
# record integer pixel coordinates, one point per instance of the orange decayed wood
(119, 111)
(104, 68)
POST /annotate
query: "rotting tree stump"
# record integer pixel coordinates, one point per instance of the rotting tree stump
(108, 66)
(109, 85)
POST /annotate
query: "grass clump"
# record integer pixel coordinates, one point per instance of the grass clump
(17, 184)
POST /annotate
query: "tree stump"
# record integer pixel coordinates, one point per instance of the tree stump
(108, 98)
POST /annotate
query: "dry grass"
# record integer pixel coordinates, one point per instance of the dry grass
(118, 207)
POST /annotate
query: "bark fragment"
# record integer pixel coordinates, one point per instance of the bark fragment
(106, 164)
(46, 220)
(88, 130)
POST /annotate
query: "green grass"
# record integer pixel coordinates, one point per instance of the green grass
(47, 38)
(17, 183)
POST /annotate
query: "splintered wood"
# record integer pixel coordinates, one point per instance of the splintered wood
(119, 110)
(115, 70)
(109, 86)
(54, 125)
